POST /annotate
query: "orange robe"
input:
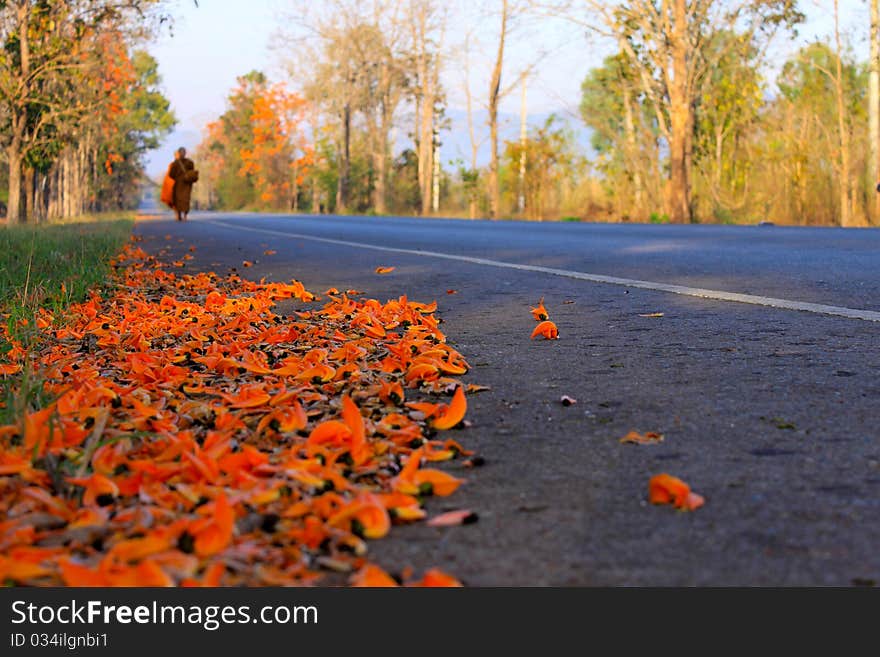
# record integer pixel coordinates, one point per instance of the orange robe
(182, 189)
(167, 195)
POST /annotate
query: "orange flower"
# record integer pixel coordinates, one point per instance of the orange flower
(666, 489)
(539, 312)
(99, 489)
(184, 396)
(547, 330)
(21, 571)
(213, 535)
(372, 576)
(248, 396)
(413, 481)
(365, 516)
(648, 438)
(436, 578)
(451, 415)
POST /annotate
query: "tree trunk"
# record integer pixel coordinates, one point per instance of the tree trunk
(523, 138)
(632, 152)
(15, 152)
(380, 164)
(13, 206)
(843, 130)
(435, 174)
(426, 147)
(475, 146)
(680, 120)
(494, 99)
(874, 112)
(342, 188)
(30, 210)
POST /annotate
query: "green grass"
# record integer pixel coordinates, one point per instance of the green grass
(53, 265)
(48, 266)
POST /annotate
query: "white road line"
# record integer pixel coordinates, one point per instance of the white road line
(851, 313)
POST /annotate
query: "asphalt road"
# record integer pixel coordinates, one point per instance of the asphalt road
(771, 414)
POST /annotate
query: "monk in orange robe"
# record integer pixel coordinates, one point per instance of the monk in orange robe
(183, 172)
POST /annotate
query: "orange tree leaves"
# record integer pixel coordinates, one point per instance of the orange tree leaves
(198, 438)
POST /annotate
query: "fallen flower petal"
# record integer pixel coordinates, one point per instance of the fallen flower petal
(648, 438)
(539, 312)
(453, 518)
(450, 416)
(372, 576)
(666, 489)
(547, 330)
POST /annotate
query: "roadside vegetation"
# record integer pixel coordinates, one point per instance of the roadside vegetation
(396, 110)
(48, 267)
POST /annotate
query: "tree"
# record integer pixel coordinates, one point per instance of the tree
(549, 159)
(624, 134)
(805, 134)
(669, 44)
(45, 64)
(256, 153)
(353, 62)
(427, 26)
(507, 15)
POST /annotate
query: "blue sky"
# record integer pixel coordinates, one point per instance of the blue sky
(221, 39)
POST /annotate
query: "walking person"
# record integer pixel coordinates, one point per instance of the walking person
(183, 172)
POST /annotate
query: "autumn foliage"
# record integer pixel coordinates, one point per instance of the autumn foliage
(195, 437)
(257, 154)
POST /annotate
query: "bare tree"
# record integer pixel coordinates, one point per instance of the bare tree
(846, 186)
(427, 22)
(351, 60)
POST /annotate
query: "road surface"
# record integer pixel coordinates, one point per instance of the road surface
(769, 412)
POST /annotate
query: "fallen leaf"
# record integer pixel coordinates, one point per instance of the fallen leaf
(269, 252)
(451, 291)
(247, 263)
(651, 315)
(384, 270)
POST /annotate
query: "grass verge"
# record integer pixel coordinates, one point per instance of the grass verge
(53, 265)
(48, 266)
